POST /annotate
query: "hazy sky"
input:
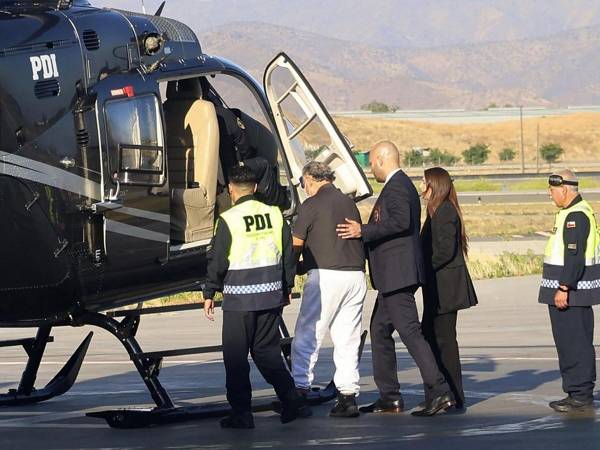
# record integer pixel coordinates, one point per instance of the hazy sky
(389, 23)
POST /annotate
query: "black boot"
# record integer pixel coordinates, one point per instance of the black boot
(569, 404)
(304, 410)
(345, 406)
(238, 420)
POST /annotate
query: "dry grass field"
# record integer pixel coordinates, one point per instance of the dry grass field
(579, 134)
(502, 221)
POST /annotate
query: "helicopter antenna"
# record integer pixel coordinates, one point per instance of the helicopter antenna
(143, 7)
(160, 9)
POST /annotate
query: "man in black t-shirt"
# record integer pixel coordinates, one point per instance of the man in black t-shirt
(335, 288)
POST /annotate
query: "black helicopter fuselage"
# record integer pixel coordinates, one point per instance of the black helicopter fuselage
(73, 238)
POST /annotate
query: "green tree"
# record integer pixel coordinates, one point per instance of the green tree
(376, 107)
(476, 154)
(551, 152)
(413, 158)
(507, 154)
(441, 157)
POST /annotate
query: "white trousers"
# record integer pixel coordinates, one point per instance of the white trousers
(332, 301)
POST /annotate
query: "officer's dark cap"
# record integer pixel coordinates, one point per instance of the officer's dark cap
(242, 175)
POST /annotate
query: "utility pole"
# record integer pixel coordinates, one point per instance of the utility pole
(522, 144)
(143, 7)
(537, 150)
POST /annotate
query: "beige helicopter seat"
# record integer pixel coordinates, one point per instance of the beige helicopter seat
(193, 159)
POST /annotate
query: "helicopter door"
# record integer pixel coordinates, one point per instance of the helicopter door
(136, 214)
(307, 130)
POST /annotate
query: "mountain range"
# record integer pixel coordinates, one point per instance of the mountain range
(411, 53)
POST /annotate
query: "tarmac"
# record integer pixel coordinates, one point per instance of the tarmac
(510, 373)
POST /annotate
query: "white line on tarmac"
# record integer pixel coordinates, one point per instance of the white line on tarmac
(197, 361)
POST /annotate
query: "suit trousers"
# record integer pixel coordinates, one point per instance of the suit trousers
(573, 331)
(398, 311)
(256, 332)
(440, 331)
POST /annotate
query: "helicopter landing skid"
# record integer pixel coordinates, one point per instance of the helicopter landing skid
(149, 364)
(26, 393)
(142, 418)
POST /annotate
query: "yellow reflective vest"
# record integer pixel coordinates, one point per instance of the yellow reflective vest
(587, 291)
(255, 273)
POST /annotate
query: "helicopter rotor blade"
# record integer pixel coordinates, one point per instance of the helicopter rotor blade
(160, 9)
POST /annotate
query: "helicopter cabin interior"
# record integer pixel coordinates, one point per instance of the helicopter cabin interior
(208, 124)
(202, 135)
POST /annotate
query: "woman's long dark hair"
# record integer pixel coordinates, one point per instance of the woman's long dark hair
(442, 188)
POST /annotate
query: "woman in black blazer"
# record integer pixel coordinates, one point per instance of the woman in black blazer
(449, 287)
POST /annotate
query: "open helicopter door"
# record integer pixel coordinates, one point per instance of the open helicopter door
(307, 131)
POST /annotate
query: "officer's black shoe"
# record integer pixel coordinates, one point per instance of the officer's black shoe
(238, 420)
(293, 409)
(345, 406)
(436, 405)
(304, 411)
(569, 404)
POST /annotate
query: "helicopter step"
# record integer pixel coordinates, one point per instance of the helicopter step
(63, 381)
(149, 365)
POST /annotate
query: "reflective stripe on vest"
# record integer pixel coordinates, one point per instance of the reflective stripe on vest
(255, 256)
(555, 247)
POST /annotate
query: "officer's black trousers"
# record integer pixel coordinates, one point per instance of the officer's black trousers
(573, 330)
(256, 332)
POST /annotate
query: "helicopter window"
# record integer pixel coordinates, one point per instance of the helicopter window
(135, 140)
(308, 136)
(241, 99)
(137, 158)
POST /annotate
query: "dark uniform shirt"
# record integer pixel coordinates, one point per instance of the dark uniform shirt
(218, 264)
(316, 225)
(575, 235)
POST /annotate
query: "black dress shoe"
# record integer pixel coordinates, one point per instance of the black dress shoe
(436, 405)
(345, 406)
(421, 406)
(569, 404)
(384, 406)
(238, 420)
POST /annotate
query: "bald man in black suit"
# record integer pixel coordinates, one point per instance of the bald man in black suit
(396, 267)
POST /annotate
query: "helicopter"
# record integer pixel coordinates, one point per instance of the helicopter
(115, 139)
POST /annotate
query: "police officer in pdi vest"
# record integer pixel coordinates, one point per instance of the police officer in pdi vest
(252, 263)
(570, 286)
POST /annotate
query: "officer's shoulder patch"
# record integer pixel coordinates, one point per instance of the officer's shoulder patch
(572, 246)
(571, 224)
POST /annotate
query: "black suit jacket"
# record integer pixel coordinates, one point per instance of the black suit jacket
(449, 286)
(392, 237)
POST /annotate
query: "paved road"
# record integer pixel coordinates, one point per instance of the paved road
(516, 197)
(510, 372)
(460, 116)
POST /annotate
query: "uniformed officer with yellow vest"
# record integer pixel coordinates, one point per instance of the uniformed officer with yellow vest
(570, 286)
(252, 263)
